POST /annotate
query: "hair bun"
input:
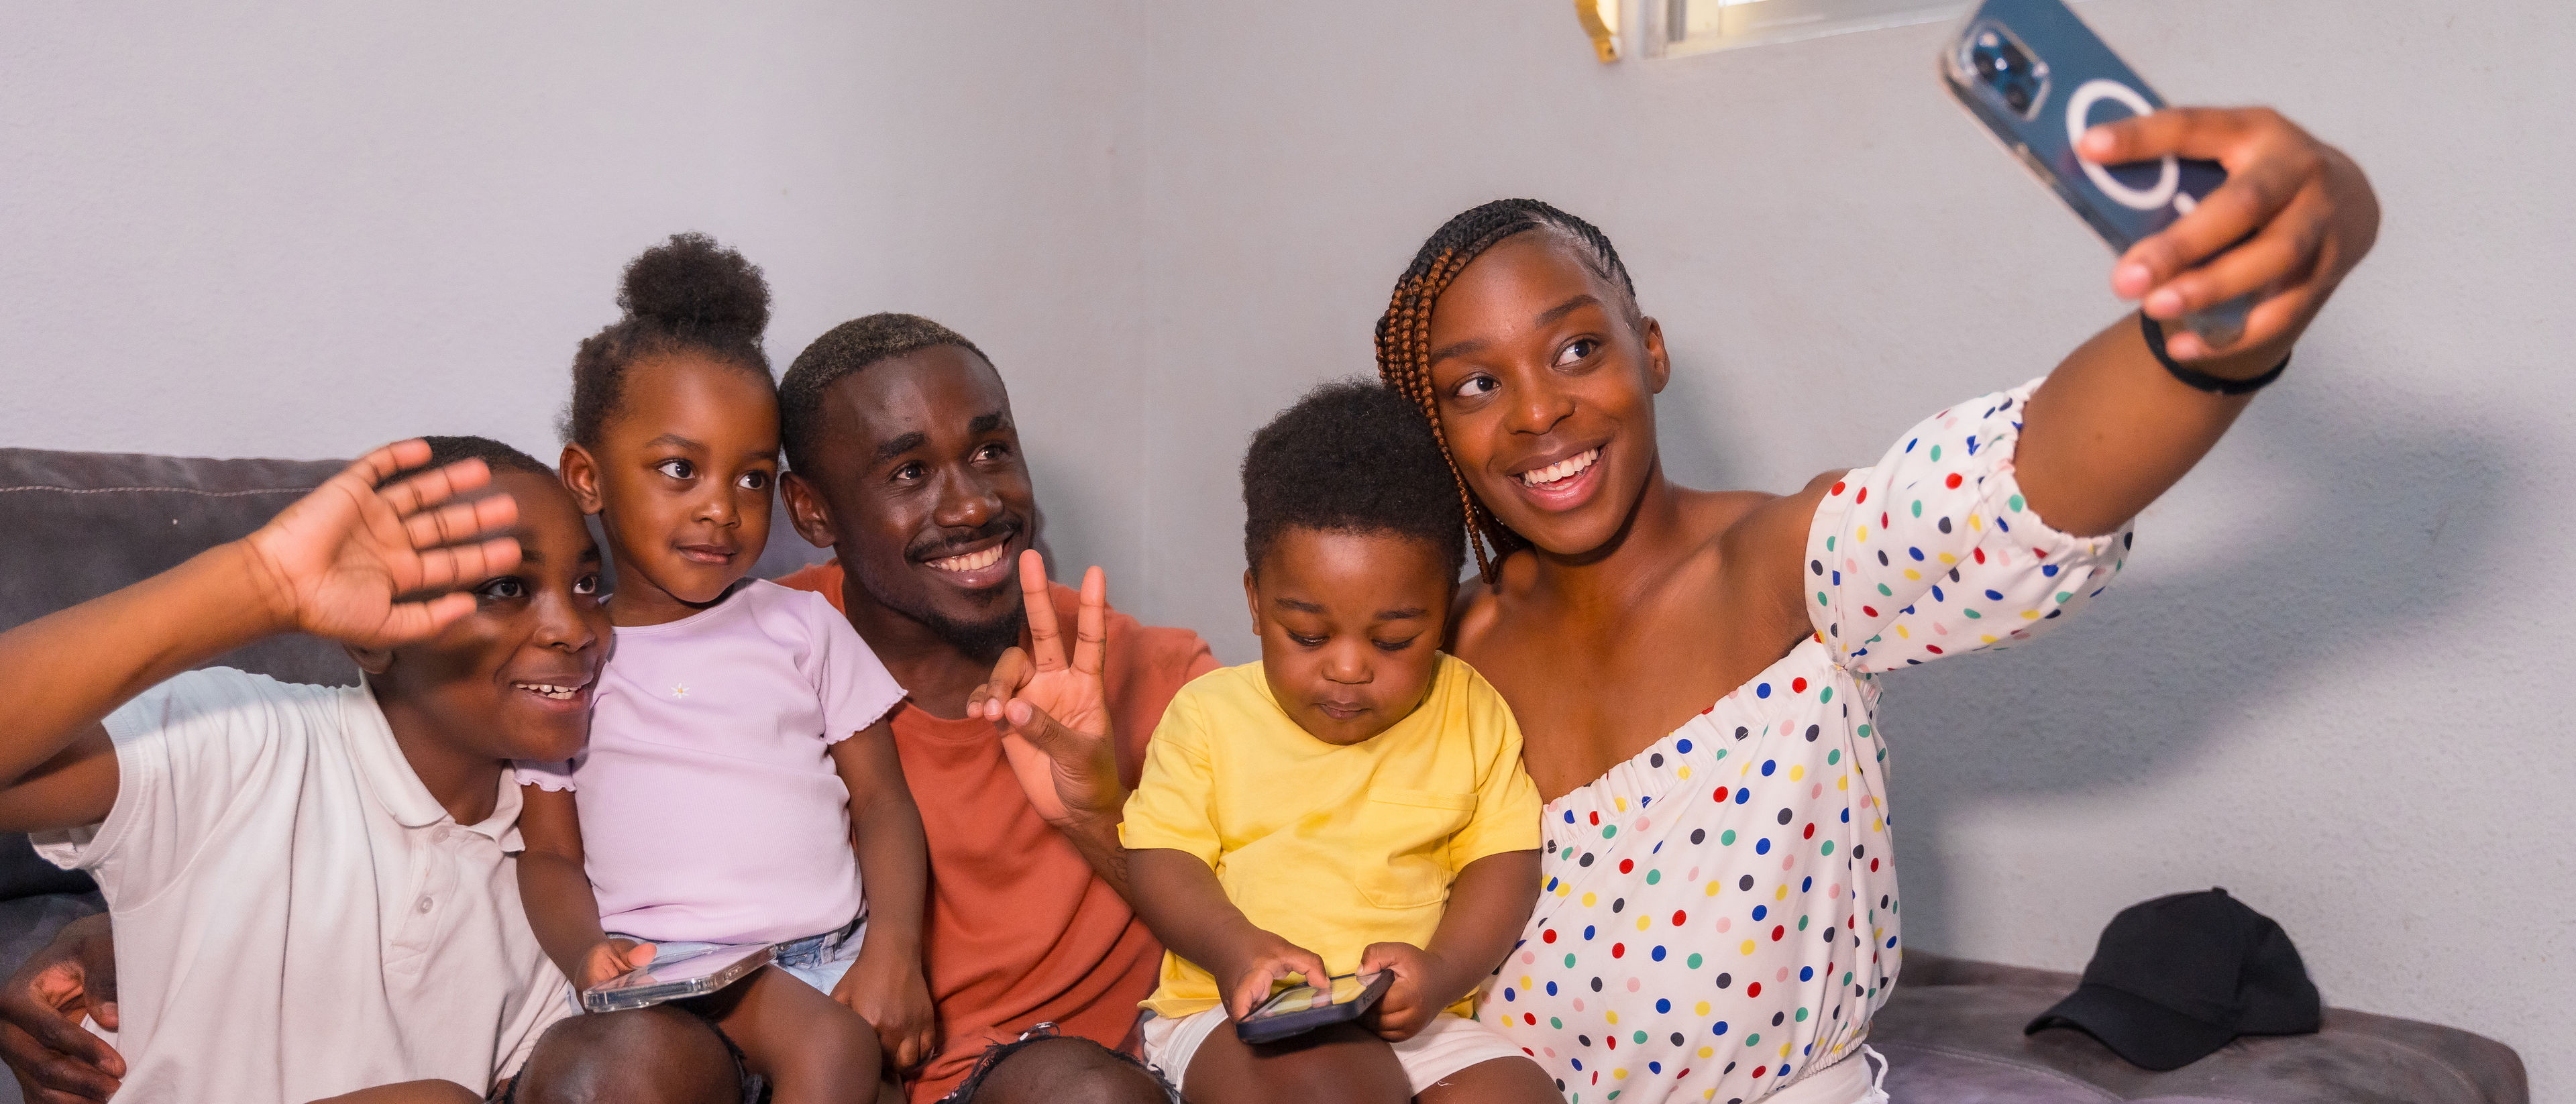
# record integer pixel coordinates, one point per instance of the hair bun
(692, 286)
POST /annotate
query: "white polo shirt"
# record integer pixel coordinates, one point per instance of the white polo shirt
(296, 917)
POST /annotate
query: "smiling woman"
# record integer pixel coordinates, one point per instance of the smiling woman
(1696, 672)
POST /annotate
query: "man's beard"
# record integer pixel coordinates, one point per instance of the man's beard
(984, 641)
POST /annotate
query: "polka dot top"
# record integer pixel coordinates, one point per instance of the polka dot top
(1720, 913)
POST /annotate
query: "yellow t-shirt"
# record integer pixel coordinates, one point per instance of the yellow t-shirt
(1331, 848)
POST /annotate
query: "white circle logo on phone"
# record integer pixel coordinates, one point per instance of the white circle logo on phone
(2079, 105)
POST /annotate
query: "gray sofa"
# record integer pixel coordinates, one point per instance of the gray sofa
(78, 525)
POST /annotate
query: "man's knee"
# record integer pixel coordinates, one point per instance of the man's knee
(1069, 1071)
(660, 1055)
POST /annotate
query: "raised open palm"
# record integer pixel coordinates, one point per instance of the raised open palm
(1053, 708)
(370, 563)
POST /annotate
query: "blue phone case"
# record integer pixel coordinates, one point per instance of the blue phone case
(2036, 76)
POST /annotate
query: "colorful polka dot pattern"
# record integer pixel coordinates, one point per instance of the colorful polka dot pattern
(1720, 913)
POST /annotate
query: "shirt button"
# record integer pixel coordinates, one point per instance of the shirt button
(425, 904)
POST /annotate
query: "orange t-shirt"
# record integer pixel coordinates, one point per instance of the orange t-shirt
(1020, 931)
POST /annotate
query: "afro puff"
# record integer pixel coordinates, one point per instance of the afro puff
(686, 294)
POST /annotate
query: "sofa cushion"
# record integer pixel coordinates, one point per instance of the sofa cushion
(1952, 1035)
(100, 521)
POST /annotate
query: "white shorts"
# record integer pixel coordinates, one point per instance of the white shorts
(1444, 1046)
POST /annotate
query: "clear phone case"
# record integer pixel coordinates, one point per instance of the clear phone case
(696, 975)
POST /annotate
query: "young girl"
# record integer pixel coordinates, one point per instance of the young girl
(740, 784)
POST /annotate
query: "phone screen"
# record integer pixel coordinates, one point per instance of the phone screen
(1304, 998)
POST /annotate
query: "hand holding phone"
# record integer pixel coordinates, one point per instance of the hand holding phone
(1299, 1009)
(1261, 964)
(1418, 991)
(689, 976)
(2234, 222)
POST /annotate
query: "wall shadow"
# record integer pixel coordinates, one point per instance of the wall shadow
(2376, 525)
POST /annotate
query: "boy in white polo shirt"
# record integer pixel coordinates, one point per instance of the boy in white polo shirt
(312, 886)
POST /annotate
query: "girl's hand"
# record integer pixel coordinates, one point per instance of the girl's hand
(610, 959)
(2309, 208)
(1246, 982)
(1410, 1001)
(358, 559)
(892, 996)
(1053, 712)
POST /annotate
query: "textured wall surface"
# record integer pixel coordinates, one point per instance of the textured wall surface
(303, 231)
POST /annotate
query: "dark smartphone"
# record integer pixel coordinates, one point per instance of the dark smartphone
(2037, 77)
(1299, 1009)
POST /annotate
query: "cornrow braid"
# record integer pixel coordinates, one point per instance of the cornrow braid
(1404, 331)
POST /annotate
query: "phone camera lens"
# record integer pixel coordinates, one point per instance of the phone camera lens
(2003, 66)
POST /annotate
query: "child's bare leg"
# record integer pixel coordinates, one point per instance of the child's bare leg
(811, 1048)
(1338, 1063)
(409, 1092)
(1510, 1080)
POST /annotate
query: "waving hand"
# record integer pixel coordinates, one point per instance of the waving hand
(357, 560)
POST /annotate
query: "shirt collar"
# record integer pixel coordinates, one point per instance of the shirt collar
(389, 776)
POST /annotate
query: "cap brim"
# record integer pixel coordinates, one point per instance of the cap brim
(2148, 1035)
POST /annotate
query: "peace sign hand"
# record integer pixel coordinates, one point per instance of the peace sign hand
(1053, 711)
(367, 562)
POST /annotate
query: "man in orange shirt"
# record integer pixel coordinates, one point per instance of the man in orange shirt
(904, 460)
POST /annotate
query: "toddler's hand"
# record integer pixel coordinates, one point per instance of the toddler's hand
(1410, 1001)
(1246, 982)
(611, 958)
(892, 996)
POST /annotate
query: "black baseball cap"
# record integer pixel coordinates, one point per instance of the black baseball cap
(2175, 978)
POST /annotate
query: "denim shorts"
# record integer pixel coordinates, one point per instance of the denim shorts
(817, 960)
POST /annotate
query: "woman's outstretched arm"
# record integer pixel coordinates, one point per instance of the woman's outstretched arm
(2111, 429)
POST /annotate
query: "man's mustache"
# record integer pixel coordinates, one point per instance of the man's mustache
(954, 543)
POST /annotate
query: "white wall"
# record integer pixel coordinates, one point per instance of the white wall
(305, 229)
(2322, 683)
(2326, 680)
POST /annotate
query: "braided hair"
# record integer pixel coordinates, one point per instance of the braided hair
(687, 294)
(1404, 331)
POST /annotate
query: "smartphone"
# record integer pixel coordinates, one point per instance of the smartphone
(2037, 77)
(693, 976)
(1299, 1009)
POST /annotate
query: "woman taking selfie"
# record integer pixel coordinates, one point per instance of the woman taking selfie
(1694, 671)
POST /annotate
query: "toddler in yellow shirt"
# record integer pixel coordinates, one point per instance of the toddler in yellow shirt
(1353, 802)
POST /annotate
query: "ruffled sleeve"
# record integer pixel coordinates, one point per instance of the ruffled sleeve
(554, 777)
(1932, 551)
